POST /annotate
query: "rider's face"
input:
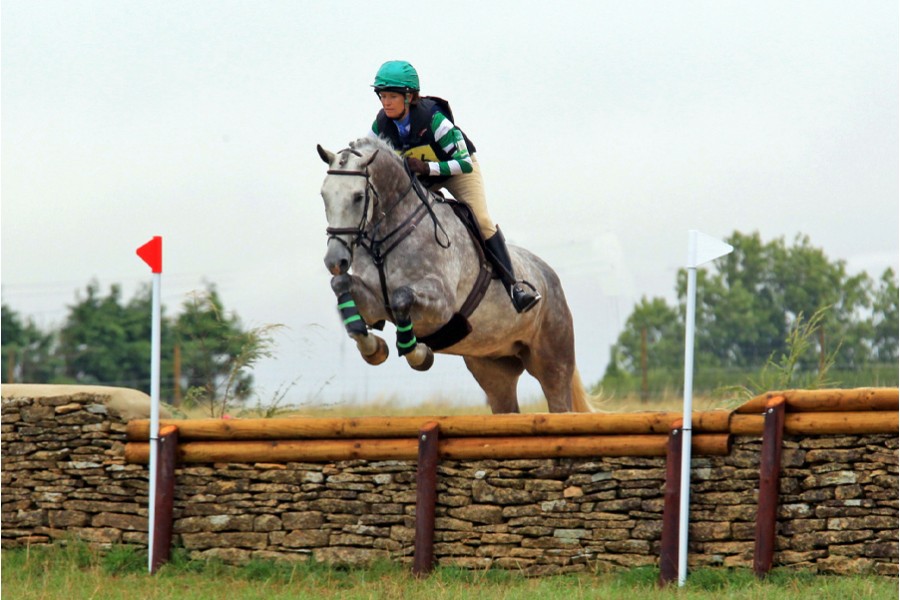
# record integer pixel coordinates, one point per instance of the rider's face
(394, 104)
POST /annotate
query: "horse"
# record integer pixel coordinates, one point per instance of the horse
(399, 253)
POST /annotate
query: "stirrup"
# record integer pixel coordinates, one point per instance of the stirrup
(522, 300)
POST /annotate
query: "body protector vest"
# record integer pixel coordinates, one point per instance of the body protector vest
(421, 143)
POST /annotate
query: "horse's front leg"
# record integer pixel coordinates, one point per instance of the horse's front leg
(419, 356)
(373, 349)
(430, 302)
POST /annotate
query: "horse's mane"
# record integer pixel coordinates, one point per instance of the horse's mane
(372, 143)
(369, 145)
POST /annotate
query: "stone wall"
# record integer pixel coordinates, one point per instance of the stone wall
(63, 476)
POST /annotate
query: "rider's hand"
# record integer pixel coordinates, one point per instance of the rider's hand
(417, 166)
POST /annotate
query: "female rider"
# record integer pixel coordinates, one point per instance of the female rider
(421, 129)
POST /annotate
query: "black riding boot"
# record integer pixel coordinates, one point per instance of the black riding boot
(523, 299)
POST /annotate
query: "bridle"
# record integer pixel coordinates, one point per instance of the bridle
(359, 231)
(365, 234)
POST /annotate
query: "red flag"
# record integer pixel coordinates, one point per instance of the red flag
(151, 253)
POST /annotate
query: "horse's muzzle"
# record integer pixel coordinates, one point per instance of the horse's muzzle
(337, 258)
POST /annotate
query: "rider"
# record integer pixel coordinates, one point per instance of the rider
(421, 129)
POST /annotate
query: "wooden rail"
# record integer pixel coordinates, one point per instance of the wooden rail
(823, 423)
(448, 449)
(852, 400)
(303, 439)
(298, 428)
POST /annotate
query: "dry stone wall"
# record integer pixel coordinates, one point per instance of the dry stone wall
(64, 476)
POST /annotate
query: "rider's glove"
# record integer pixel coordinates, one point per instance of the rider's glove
(417, 166)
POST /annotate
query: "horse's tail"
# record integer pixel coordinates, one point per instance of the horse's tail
(580, 397)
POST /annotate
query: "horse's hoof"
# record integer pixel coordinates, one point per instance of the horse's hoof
(381, 352)
(427, 361)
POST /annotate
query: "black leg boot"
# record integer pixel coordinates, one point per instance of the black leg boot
(523, 299)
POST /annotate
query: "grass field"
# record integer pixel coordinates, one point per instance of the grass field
(77, 572)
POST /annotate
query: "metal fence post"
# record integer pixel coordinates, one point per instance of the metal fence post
(769, 472)
(668, 552)
(165, 497)
(426, 499)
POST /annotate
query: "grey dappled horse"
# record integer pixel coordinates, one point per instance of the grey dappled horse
(399, 254)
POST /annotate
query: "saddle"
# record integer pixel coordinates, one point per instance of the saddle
(458, 327)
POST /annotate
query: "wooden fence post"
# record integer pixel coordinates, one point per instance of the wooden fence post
(769, 473)
(165, 496)
(668, 551)
(426, 499)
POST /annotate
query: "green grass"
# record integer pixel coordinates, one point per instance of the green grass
(75, 571)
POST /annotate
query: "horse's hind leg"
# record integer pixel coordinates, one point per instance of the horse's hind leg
(555, 377)
(551, 360)
(498, 377)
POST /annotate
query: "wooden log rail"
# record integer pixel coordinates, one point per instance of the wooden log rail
(298, 428)
(303, 439)
(852, 400)
(824, 412)
(476, 448)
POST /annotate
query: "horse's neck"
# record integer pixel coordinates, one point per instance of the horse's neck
(396, 204)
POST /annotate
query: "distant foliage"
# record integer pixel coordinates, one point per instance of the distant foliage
(27, 351)
(750, 309)
(105, 340)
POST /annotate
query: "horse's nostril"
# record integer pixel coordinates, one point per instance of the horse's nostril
(338, 268)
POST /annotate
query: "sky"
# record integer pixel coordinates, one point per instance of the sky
(605, 130)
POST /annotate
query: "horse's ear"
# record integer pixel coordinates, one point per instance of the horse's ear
(326, 156)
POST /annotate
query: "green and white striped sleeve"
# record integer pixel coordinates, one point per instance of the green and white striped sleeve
(450, 138)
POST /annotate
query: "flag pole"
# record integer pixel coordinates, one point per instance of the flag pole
(701, 249)
(151, 253)
(155, 342)
(685, 493)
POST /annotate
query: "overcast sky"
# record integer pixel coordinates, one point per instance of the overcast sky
(605, 130)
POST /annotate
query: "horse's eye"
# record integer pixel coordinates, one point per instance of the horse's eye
(358, 197)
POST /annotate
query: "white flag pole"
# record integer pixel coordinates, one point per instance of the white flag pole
(151, 253)
(701, 249)
(155, 343)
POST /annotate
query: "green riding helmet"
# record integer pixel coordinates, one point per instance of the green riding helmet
(396, 76)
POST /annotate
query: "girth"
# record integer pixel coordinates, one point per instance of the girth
(458, 327)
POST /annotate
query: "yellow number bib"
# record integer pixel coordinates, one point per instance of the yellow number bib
(421, 152)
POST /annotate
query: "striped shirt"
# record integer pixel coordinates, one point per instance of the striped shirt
(448, 137)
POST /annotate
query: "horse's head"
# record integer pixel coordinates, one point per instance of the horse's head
(351, 192)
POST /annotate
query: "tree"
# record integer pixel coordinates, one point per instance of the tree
(885, 322)
(747, 306)
(27, 351)
(653, 328)
(104, 341)
(811, 282)
(213, 348)
(750, 301)
(739, 319)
